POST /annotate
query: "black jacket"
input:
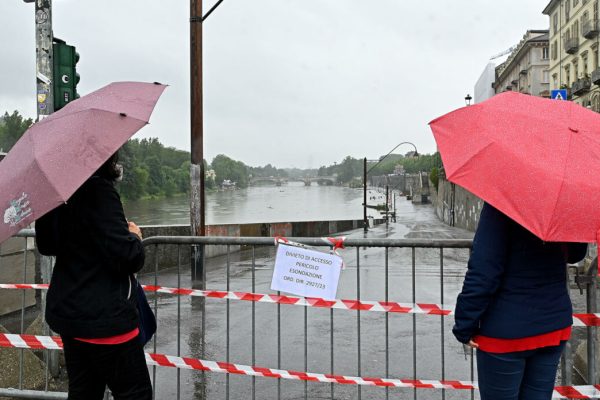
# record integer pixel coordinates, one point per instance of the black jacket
(91, 293)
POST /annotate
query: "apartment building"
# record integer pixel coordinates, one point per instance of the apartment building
(574, 50)
(527, 68)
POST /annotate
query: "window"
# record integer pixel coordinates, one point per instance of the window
(546, 76)
(555, 23)
(545, 53)
(585, 67)
(554, 50)
(555, 81)
(575, 71)
(585, 20)
(575, 2)
(576, 29)
(595, 11)
(595, 60)
(567, 10)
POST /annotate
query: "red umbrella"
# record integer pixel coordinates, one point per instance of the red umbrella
(532, 158)
(56, 155)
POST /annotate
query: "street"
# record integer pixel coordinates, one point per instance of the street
(413, 221)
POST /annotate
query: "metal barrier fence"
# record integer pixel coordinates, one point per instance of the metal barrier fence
(347, 338)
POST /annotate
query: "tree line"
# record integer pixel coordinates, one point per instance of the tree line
(352, 169)
(151, 169)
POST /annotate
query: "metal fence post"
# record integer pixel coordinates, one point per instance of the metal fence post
(592, 308)
(46, 266)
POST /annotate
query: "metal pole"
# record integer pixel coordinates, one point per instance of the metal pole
(44, 38)
(387, 208)
(592, 307)
(197, 152)
(43, 58)
(365, 220)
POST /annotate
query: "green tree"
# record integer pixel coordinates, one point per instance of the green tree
(12, 127)
(228, 169)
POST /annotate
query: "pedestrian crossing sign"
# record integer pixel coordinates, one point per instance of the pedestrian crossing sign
(559, 94)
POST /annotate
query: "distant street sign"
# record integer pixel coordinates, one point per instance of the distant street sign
(559, 94)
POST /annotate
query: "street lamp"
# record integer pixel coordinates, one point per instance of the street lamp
(468, 99)
(365, 172)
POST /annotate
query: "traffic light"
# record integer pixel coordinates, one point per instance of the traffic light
(65, 74)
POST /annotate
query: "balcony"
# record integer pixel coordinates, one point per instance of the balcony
(581, 86)
(589, 29)
(596, 76)
(572, 45)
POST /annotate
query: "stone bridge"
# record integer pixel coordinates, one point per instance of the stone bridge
(270, 180)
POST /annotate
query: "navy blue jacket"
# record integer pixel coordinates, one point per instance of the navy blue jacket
(516, 284)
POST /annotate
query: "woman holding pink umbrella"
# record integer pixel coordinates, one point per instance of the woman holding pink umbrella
(92, 298)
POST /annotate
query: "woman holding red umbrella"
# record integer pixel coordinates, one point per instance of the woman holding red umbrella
(514, 308)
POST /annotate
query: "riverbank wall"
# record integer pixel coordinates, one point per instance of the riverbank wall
(169, 255)
(455, 206)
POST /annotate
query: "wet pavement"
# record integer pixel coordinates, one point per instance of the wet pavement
(282, 335)
(366, 265)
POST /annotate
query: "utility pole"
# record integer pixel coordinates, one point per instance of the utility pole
(43, 58)
(365, 220)
(44, 38)
(197, 198)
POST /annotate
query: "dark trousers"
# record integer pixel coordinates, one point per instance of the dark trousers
(522, 375)
(121, 367)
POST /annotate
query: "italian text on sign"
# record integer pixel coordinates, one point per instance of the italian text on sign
(305, 272)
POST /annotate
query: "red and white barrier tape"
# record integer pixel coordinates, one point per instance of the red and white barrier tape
(579, 320)
(24, 286)
(162, 360)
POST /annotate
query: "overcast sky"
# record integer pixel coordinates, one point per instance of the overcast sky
(294, 83)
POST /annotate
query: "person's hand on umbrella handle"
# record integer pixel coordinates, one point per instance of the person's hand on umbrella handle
(133, 228)
(473, 344)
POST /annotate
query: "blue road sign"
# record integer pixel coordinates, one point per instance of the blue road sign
(559, 94)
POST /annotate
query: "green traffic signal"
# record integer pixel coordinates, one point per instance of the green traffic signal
(65, 73)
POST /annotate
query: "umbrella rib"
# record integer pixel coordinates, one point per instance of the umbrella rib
(37, 162)
(90, 109)
(483, 148)
(562, 181)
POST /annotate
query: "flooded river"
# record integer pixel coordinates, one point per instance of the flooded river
(292, 202)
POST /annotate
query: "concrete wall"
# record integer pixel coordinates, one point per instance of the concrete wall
(451, 200)
(168, 254)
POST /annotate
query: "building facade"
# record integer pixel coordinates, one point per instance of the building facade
(484, 87)
(527, 68)
(574, 50)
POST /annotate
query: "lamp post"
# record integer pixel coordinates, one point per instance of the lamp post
(366, 172)
(468, 99)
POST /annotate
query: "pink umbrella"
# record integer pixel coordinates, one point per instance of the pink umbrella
(532, 158)
(56, 155)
